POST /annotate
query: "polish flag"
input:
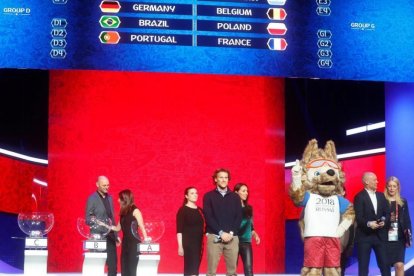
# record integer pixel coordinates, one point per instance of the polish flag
(276, 28)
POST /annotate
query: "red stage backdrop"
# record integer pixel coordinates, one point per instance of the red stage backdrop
(157, 134)
(18, 192)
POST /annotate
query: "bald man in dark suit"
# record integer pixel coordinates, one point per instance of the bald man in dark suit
(372, 216)
(100, 205)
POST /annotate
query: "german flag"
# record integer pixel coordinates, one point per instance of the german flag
(110, 6)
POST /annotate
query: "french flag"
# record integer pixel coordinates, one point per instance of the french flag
(277, 44)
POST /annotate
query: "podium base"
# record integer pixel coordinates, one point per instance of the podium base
(94, 263)
(148, 265)
(35, 262)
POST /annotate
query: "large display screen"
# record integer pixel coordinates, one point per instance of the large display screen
(361, 40)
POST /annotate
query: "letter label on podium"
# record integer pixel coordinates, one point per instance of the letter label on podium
(149, 248)
(36, 243)
(95, 245)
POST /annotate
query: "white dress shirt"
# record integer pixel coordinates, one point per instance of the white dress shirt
(373, 198)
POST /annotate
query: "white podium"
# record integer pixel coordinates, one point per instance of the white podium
(35, 262)
(149, 259)
(35, 256)
(94, 260)
(94, 263)
(148, 265)
(36, 225)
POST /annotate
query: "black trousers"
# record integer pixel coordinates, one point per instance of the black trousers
(111, 258)
(246, 254)
(129, 259)
(364, 252)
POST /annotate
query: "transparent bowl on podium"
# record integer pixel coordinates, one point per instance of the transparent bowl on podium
(155, 230)
(95, 231)
(36, 225)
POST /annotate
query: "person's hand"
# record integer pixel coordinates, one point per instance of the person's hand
(180, 251)
(226, 237)
(257, 239)
(118, 241)
(375, 225)
(101, 223)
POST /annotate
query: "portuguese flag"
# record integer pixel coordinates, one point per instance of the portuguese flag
(109, 37)
(110, 6)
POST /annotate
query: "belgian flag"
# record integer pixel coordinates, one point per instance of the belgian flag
(276, 14)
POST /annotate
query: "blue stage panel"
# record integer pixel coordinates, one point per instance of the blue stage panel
(360, 40)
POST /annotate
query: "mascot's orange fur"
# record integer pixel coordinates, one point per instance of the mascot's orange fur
(317, 185)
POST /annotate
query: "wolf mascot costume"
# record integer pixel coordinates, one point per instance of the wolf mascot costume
(317, 185)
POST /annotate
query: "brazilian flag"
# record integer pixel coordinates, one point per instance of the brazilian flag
(110, 21)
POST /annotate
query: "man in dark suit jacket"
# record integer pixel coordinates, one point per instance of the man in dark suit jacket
(223, 213)
(100, 205)
(372, 215)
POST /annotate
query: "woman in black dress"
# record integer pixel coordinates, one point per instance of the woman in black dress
(129, 213)
(190, 232)
(399, 233)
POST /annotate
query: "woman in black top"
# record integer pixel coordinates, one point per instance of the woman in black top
(129, 213)
(399, 233)
(190, 232)
(246, 230)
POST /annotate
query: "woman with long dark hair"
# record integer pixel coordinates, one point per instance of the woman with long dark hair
(399, 233)
(246, 231)
(129, 213)
(190, 232)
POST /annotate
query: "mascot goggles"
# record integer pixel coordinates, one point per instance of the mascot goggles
(322, 162)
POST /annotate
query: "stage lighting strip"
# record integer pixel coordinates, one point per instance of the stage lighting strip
(24, 157)
(366, 128)
(287, 165)
(348, 155)
(40, 182)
